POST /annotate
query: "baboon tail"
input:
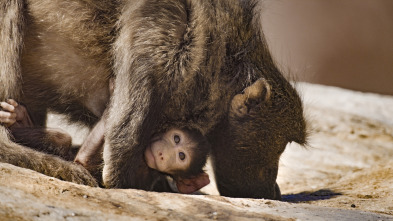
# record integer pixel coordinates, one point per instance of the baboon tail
(11, 42)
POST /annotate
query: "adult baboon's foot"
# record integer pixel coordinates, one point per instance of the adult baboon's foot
(77, 174)
(61, 169)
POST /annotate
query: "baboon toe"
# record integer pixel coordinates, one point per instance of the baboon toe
(80, 175)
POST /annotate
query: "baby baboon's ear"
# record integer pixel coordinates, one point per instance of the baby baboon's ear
(252, 96)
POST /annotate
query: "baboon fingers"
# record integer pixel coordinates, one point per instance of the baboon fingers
(7, 122)
(13, 102)
(7, 118)
(80, 175)
(7, 107)
(5, 115)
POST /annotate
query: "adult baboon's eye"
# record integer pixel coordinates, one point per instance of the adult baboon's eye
(176, 138)
(182, 156)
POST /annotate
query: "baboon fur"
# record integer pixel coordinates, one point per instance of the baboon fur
(200, 65)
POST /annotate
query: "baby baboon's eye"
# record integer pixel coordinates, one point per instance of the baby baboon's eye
(182, 156)
(176, 138)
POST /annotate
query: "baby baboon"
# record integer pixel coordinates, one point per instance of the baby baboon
(182, 154)
(179, 153)
(177, 63)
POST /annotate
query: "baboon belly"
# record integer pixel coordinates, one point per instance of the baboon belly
(54, 72)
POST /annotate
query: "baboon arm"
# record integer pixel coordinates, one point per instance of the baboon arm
(90, 153)
(128, 131)
(141, 87)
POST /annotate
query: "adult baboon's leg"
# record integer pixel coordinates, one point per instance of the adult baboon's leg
(11, 38)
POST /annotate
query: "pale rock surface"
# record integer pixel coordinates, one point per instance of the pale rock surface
(345, 173)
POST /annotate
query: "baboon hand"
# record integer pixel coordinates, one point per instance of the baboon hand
(8, 115)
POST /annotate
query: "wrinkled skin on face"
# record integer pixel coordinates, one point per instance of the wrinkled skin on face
(169, 152)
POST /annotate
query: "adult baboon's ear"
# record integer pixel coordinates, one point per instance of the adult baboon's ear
(253, 95)
(259, 90)
(193, 184)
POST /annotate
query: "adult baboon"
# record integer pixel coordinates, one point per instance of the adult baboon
(178, 64)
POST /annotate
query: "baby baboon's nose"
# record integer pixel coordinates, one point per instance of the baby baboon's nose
(161, 157)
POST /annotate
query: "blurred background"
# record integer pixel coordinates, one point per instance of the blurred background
(344, 43)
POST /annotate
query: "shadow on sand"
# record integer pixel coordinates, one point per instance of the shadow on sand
(322, 194)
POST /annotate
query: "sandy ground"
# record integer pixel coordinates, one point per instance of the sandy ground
(349, 161)
(345, 173)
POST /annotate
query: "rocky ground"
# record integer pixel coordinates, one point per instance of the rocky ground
(345, 173)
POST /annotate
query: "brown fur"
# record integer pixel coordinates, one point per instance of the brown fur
(48, 140)
(177, 64)
(11, 37)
